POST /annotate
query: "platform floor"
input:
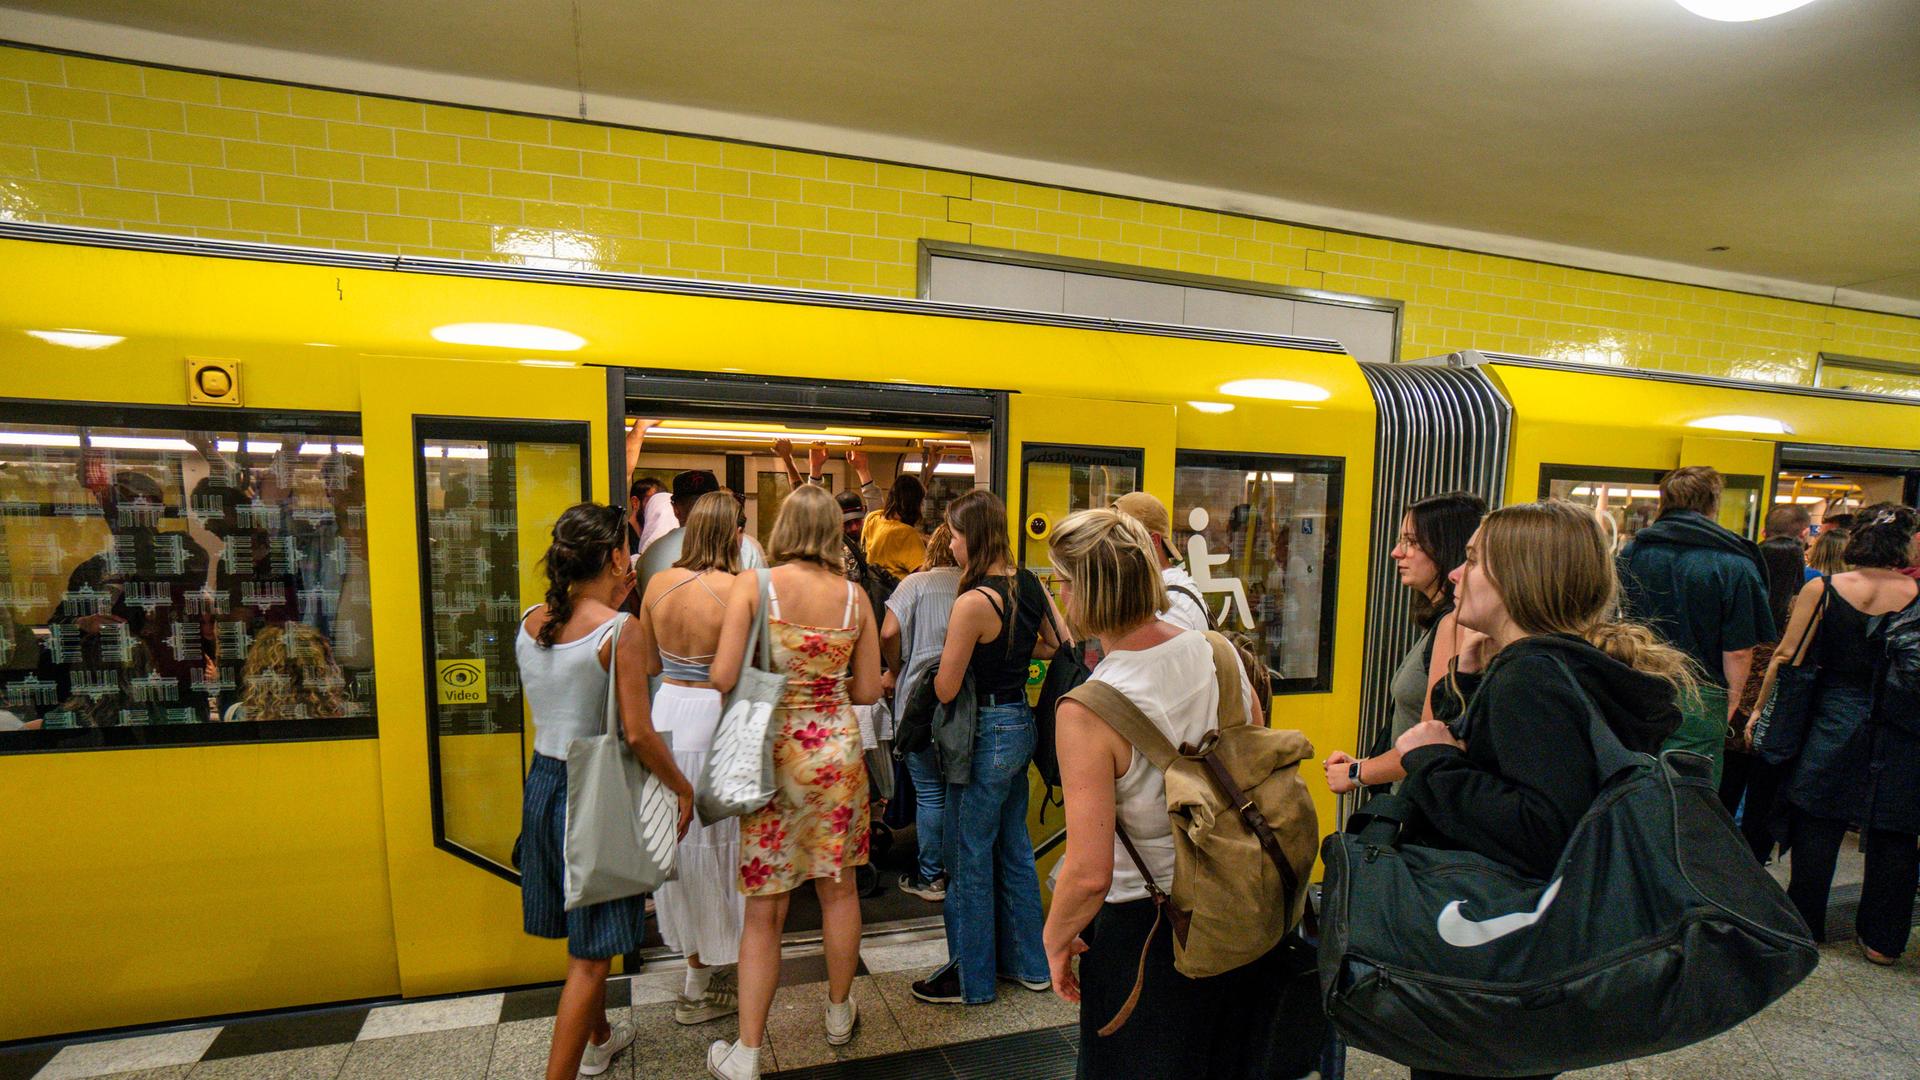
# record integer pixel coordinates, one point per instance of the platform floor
(1849, 1019)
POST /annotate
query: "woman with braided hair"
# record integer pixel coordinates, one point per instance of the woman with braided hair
(564, 649)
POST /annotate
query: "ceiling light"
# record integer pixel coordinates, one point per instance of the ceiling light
(320, 449)
(1275, 390)
(1752, 425)
(35, 438)
(945, 468)
(737, 435)
(1211, 406)
(77, 339)
(1740, 10)
(502, 335)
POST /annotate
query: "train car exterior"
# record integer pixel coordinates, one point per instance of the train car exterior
(181, 870)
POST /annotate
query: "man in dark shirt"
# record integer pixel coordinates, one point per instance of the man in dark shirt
(1703, 588)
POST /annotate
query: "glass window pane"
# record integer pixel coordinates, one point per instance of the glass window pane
(156, 579)
(1260, 536)
(490, 498)
(1630, 498)
(1059, 480)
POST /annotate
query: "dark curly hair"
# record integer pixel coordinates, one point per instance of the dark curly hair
(584, 538)
(1882, 536)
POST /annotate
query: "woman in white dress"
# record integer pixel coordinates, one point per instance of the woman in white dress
(700, 911)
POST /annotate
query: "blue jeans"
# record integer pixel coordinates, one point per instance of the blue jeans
(930, 815)
(993, 892)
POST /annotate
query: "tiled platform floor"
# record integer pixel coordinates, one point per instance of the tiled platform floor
(1849, 1019)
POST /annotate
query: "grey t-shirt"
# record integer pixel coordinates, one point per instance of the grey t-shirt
(923, 603)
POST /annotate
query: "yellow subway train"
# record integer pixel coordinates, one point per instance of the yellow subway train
(269, 514)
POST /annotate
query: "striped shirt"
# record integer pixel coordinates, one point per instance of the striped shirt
(923, 603)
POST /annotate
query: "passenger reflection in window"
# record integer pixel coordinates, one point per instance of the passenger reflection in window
(290, 675)
(142, 569)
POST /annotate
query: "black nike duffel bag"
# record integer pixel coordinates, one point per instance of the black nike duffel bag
(1657, 929)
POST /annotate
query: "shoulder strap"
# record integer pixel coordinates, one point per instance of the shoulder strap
(1198, 601)
(1610, 756)
(1819, 615)
(1123, 716)
(758, 633)
(846, 618)
(1232, 710)
(614, 727)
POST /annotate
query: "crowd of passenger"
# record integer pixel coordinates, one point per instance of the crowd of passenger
(1677, 638)
(249, 613)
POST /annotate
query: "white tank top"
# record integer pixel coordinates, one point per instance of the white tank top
(1173, 684)
(566, 687)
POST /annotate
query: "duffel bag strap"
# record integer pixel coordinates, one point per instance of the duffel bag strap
(1610, 756)
(1162, 908)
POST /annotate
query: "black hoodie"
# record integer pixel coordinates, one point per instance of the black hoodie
(1527, 775)
(1701, 585)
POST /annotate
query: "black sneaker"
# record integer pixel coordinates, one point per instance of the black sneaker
(941, 988)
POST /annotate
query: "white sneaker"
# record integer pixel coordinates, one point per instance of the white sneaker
(715, 1004)
(732, 1061)
(597, 1058)
(841, 1019)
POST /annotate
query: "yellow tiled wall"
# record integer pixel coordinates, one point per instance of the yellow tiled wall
(114, 145)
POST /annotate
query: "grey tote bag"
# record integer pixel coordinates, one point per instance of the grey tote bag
(738, 778)
(623, 824)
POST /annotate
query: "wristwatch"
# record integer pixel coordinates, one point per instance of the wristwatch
(1353, 773)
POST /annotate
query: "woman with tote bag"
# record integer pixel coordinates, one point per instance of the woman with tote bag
(565, 652)
(826, 646)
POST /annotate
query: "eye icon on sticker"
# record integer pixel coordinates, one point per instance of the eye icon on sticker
(461, 682)
(1039, 526)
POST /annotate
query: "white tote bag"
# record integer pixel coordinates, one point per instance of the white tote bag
(623, 824)
(738, 778)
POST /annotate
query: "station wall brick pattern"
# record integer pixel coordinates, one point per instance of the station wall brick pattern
(126, 146)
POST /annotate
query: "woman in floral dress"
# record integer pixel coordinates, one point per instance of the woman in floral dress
(815, 829)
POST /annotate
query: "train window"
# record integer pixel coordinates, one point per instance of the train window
(171, 577)
(1630, 498)
(1058, 480)
(1261, 536)
(488, 494)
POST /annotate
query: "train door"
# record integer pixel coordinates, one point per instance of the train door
(467, 466)
(1077, 454)
(737, 428)
(1831, 481)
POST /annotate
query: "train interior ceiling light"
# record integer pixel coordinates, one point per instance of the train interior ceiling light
(1741, 10)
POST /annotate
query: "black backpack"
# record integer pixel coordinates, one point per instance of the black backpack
(1065, 672)
(1657, 929)
(1898, 639)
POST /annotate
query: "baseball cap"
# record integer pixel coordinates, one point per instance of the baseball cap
(1151, 513)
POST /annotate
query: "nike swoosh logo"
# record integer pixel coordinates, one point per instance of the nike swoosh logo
(1461, 932)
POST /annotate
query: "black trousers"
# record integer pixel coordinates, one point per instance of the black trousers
(1217, 1028)
(1886, 895)
(1749, 775)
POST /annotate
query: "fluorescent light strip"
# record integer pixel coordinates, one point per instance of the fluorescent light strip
(798, 437)
(945, 468)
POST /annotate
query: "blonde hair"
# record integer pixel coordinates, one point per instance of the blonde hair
(807, 529)
(1555, 573)
(712, 541)
(291, 675)
(1828, 553)
(1108, 559)
(940, 549)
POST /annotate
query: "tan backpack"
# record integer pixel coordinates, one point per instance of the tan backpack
(1244, 830)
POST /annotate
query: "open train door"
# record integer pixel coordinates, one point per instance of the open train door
(1747, 465)
(1069, 454)
(468, 464)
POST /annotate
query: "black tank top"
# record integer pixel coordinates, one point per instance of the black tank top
(1840, 645)
(1000, 665)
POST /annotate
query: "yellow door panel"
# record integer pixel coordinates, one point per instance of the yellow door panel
(458, 922)
(1747, 465)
